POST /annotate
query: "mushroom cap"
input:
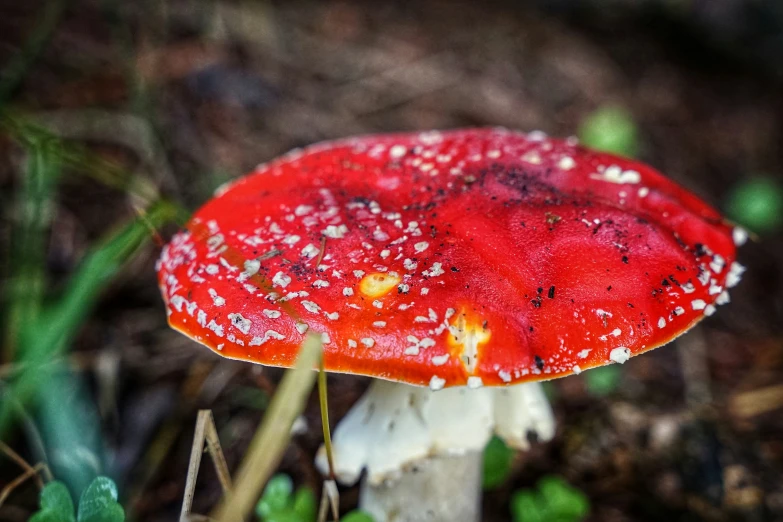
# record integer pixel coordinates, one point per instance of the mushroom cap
(468, 257)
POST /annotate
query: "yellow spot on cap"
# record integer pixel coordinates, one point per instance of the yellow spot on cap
(378, 284)
(465, 336)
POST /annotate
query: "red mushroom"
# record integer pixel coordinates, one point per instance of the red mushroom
(470, 257)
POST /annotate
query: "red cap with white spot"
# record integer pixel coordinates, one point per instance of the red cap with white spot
(467, 257)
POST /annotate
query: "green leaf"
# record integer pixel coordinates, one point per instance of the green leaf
(25, 290)
(357, 516)
(553, 501)
(56, 504)
(55, 326)
(69, 425)
(285, 515)
(610, 129)
(276, 496)
(99, 502)
(47, 515)
(56, 496)
(757, 204)
(497, 463)
(305, 505)
(563, 500)
(526, 507)
(95, 272)
(602, 381)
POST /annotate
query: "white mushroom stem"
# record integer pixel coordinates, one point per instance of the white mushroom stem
(422, 449)
(433, 489)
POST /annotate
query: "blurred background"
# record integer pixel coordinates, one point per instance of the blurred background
(108, 106)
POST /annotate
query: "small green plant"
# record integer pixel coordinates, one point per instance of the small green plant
(554, 500)
(279, 503)
(757, 203)
(602, 381)
(98, 503)
(610, 129)
(357, 516)
(39, 325)
(497, 463)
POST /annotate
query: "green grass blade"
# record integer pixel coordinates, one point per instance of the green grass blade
(25, 289)
(52, 332)
(95, 272)
(269, 442)
(81, 159)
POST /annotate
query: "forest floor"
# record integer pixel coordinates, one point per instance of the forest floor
(192, 93)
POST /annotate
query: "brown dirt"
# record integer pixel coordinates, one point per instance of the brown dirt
(226, 85)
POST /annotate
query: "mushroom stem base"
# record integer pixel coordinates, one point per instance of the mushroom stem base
(434, 489)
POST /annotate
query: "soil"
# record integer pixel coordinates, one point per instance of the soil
(192, 93)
